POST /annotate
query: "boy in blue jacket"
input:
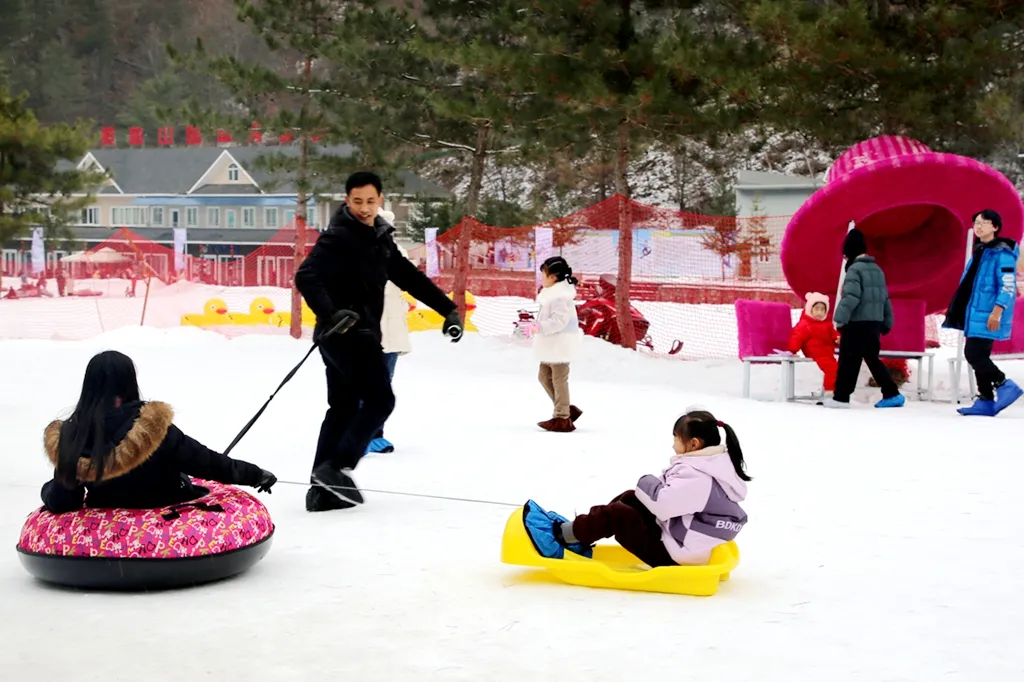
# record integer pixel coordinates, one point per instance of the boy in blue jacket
(983, 309)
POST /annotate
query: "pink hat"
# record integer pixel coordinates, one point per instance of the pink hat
(813, 297)
(914, 207)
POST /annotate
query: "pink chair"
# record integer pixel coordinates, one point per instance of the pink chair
(907, 340)
(909, 329)
(762, 328)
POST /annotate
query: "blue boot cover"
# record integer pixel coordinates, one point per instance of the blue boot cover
(540, 527)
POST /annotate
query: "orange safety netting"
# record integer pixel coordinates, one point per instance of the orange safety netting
(687, 271)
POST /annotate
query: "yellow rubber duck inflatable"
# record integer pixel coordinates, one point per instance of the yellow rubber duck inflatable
(215, 313)
(261, 311)
(423, 319)
(308, 318)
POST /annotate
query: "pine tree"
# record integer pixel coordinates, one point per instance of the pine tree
(625, 73)
(935, 70)
(295, 97)
(437, 92)
(40, 183)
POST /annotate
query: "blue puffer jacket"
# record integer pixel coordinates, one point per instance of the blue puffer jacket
(995, 284)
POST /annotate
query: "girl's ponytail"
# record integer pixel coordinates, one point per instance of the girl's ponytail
(732, 444)
(560, 269)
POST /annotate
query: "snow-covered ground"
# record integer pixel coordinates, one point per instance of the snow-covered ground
(882, 545)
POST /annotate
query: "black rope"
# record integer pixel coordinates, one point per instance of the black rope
(405, 494)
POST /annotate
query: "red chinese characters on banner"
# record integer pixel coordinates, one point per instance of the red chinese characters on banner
(285, 138)
(136, 137)
(108, 136)
(165, 136)
(193, 136)
(223, 137)
(256, 135)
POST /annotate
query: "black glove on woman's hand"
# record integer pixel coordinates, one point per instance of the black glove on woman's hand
(267, 481)
(452, 326)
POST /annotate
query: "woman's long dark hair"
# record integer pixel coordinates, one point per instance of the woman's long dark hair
(108, 376)
(703, 425)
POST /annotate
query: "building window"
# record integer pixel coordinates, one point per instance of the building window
(191, 217)
(125, 216)
(248, 217)
(158, 215)
(289, 218)
(233, 172)
(270, 218)
(213, 217)
(91, 215)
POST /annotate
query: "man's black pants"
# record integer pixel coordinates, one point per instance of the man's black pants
(356, 373)
(861, 341)
(978, 353)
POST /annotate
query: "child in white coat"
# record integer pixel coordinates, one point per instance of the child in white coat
(394, 332)
(556, 341)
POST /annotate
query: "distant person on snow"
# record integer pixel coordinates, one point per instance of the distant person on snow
(983, 309)
(128, 453)
(345, 274)
(394, 332)
(556, 341)
(816, 337)
(863, 315)
(673, 519)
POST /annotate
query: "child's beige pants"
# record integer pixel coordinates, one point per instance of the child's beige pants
(555, 380)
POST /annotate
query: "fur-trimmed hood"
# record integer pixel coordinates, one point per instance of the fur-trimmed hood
(144, 427)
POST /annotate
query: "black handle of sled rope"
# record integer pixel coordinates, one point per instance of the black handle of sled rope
(343, 326)
(174, 512)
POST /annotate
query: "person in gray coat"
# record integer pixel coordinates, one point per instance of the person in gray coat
(863, 314)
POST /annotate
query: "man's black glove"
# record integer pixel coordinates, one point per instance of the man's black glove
(266, 482)
(341, 322)
(452, 326)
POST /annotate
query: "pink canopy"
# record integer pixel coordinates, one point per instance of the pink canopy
(913, 205)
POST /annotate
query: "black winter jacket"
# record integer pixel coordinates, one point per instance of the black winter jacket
(148, 466)
(348, 268)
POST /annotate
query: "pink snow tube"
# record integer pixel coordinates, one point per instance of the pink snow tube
(216, 536)
(913, 205)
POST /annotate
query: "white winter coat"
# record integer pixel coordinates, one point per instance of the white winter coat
(394, 326)
(558, 335)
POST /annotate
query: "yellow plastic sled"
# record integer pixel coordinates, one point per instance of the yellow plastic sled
(614, 568)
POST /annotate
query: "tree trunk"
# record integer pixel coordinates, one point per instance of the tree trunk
(301, 200)
(476, 179)
(627, 332)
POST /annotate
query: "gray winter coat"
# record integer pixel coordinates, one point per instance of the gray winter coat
(865, 296)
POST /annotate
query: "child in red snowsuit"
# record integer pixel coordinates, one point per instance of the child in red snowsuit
(816, 337)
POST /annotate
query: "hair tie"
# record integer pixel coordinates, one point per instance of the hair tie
(720, 424)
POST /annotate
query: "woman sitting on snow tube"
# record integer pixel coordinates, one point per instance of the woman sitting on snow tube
(117, 454)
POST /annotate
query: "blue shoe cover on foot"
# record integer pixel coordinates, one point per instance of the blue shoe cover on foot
(540, 527)
(1007, 394)
(896, 401)
(980, 408)
(380, 445)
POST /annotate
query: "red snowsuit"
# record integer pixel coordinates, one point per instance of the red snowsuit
(817, 340)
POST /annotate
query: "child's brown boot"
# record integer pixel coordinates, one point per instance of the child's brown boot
(557, 425)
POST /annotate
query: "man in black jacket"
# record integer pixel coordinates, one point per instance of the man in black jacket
(345, 273)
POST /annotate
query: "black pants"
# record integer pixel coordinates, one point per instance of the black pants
(861, 341)
(359, 400)
(978, 353)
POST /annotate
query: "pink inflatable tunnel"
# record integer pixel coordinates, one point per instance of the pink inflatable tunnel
(914, 207)
(221, 534)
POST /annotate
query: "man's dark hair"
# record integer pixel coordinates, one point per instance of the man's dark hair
(991, 216)
(362, 179)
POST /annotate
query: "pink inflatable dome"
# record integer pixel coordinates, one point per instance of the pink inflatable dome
(913, 205)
